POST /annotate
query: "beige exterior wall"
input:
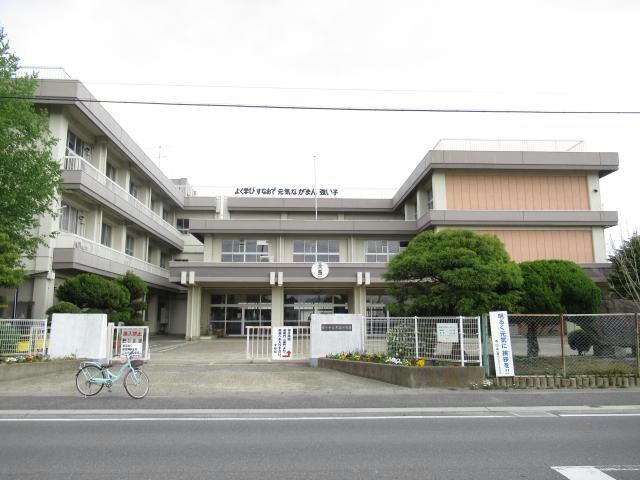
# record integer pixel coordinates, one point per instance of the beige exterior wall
(524, 245)
(505, 191)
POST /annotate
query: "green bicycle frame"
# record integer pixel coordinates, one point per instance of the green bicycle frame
(111, 377)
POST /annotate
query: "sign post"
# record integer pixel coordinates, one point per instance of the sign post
(502, 353)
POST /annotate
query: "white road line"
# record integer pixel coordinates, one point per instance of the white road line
(557, 410)
(598, 415)
(249, 419)
(582, 473)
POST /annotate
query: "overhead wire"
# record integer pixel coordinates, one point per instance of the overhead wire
(46, 98)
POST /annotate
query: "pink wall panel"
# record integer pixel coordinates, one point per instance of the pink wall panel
(516, 192)
(523, 245)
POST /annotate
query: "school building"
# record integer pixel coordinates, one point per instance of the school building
(264, 255)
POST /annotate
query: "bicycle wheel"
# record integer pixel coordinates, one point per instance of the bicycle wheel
(136, 383)
(83, 380)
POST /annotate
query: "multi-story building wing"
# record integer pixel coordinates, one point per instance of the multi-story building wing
(116, 210)
(259, 252)
(228, 262)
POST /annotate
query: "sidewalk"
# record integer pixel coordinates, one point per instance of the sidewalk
(208, 367)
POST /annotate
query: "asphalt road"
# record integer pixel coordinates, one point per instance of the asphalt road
(329, 444)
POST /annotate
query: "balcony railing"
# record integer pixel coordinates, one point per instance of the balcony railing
(76, 163)
(70, 240)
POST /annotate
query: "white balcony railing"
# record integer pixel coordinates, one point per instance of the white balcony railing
(70, 240)
(76, 163)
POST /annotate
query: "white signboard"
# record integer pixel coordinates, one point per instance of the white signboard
(447, 332)
(132, 340)
(282, 343)
(502, 353)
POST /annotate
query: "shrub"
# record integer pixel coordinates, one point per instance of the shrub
(580, 340)
(62, 307)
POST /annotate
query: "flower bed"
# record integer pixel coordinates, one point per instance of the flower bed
(401, 371)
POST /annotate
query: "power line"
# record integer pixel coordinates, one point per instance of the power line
(326, 108)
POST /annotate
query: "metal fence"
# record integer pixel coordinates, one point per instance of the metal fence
(127, 340)
(447, 339)
(23, 337)
(588, 344)
(259, 344)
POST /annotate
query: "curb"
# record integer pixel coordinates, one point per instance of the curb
(15, 371)
(577, 381)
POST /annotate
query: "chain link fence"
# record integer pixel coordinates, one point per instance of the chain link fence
(447, 339)
(23, 337)
(584, 344)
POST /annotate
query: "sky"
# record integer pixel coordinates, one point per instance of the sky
(540, 54)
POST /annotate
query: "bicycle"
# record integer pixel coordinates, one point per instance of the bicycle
(93, 375)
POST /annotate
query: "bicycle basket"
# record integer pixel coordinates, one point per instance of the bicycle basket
(136, 363)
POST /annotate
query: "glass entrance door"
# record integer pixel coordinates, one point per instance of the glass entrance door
(233, 313)
(298, 308)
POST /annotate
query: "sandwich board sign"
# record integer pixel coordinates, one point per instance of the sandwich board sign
(502, 352)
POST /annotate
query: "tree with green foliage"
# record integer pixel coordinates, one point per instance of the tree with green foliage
(624, 279)
(555, 286)
(453, 272)
(138, 290)
(27, 167)
(11, 271)
(122, 299)
(92, 292)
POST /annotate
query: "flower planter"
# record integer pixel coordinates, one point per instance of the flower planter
(413, 377)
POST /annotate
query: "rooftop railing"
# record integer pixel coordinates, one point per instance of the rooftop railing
(54, 73)
(509, 145)
(76, 163)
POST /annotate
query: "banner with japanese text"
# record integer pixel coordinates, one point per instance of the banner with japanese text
(502, 352)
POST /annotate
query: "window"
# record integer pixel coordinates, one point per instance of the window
(165, 214)
(245, 251)
(430, 199)
(316, 251)
(183, 225)
(380, 251)
(75, 146)
(111, 172)
(133, 189)
(105, 234)
(70, 219)
(163, 259)
(129, 245)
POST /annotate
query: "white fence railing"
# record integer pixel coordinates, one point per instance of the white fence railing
(448, 339)
(76, 163)
(132, 340)
(23, 337)
(259, 346)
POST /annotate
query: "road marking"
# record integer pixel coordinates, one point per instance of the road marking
(251, 419)
(583, 473)
(567, 411)
(598, 415)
